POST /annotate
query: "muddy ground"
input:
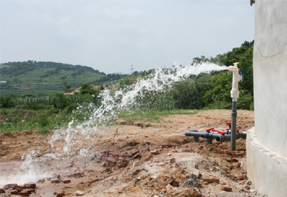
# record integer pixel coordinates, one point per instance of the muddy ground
(131, 159)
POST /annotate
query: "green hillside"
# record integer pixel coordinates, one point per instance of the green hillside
(47, 77)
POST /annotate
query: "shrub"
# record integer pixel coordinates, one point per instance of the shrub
(87, 88)
(44, 121)
(189, 94)
(34, 106)
(6, 102)
(60, 101)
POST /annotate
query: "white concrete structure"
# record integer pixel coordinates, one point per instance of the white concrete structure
(267, 142)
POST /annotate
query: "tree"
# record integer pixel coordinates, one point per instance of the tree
(67, 87)
(87, 88)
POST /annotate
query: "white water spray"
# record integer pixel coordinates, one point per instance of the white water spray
(79, 138)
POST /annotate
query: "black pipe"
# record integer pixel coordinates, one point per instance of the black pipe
(211, 135)
(228, 137)
(208, 135)
(233, 125)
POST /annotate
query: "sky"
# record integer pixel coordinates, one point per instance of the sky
(114, 35)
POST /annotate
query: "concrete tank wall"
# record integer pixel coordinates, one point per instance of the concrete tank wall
(267, 143)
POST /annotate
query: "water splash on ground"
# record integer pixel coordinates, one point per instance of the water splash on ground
(78, 138)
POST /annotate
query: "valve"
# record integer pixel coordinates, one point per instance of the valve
(235, 79)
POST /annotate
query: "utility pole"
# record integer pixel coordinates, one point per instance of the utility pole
(132, 69)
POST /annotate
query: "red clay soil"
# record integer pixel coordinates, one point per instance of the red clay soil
(136, 159)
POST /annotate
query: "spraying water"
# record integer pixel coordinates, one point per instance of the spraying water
(79, 138)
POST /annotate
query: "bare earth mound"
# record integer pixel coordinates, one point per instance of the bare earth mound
(134, 159)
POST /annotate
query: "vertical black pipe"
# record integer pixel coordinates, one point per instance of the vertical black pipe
(233, 125)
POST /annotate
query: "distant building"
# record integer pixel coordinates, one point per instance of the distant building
(3, 82)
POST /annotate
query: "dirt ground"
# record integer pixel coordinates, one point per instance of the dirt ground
(131, 159)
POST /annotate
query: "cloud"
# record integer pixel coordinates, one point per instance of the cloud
(110, 35)
(115, 12)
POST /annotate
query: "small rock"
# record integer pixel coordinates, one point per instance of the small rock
(41, 180)
(66, 181)
(78, 174)
(247, 187)
(122, 163)
(10, 186)
(154, 152)
(20, 187)
(237, 165)
(80, 193)
(234, 160)
(111, 161)
(147, 142)
(60, 194)
(168, 154)
(134, 153)
(136, 156)
(55, 181)
(241, 177)
(26, 192)
(104, 164)
(174, 183)
(169, 181)
(226, 188)
(228, 159)
(148, 157)
(172, 160)
(93, 181)
(2, 191)
(195, 174)
(13, 192)
(175, 165)
(211, 180)
(137, 180)
(136, 171)
(30, 185)
(190, 183)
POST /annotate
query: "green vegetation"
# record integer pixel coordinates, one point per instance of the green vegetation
(151, 115)
(88, 89)
(45, 112)
(48, 111)
(49, 77)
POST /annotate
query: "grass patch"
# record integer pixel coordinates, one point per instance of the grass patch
(18, 119)
(151, 115)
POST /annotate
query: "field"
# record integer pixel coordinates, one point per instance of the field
(133, 158)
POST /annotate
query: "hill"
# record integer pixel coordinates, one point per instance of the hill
(47, 77)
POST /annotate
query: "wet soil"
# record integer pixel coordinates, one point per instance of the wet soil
(133, 159)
